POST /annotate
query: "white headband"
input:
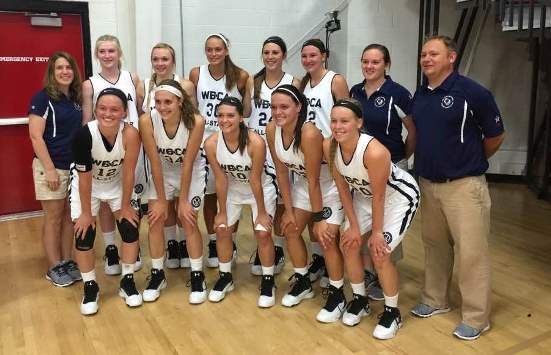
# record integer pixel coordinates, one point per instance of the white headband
(170, 89)
(287, 90)
(221, 36)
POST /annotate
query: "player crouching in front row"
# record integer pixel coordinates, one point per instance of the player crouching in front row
(105, 152)
(237, 157)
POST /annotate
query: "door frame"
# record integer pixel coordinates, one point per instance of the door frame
(64, 7)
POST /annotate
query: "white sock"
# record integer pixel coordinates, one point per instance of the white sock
(196, 264)
(170, 234)
(109, 238)
(315, 248)
(268, 270)
(279, 241)
(224, 267)
(337, 283)
(358, 289)
(127, 269)
(301, 270)
(391, 301)
(158, 263)
(212, 236)
(88, 276)
(182, 233)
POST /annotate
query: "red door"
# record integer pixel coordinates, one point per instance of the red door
(24, 52)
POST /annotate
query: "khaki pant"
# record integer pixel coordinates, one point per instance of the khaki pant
(456, 215)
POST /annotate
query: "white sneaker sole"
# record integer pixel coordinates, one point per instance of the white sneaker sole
(291, 301)
(89, 308)
(131, 301)
(266, 302)
(185, 263)
(217, 296)
(324, 316)
(352, 319)
(212, 262)
(256, 270)
(172, 263)
(384, 333)
(113, 270)
(197, 297)
(153, 295)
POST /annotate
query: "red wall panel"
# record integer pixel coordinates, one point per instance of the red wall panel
(24, 51)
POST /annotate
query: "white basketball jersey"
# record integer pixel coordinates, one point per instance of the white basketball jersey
(171, 150)
(209, 94)
(237, 167)
(356, 174)
(106, 165)
(124, 83)
(320, 102)
(149, 98)
(294, 161)
(262, 109)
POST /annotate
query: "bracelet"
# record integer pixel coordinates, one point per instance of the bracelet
(318, 216)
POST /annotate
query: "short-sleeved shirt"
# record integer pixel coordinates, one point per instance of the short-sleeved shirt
(452, 121)
(63, 118)
(383, 112)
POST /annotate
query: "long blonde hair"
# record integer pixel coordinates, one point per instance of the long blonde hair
(153, 78)
(109, 38)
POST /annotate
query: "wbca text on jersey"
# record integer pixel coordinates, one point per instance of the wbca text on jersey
(209, 94)
(262, 108)
(320, 102)
(171, 150)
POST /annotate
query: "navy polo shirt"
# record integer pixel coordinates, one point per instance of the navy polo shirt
(383, 112)
(63, 119)
(452, 121)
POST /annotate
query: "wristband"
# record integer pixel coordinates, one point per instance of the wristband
(318, 216)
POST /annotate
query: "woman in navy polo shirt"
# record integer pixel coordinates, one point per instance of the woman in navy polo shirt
(386, 106)
(54, 116)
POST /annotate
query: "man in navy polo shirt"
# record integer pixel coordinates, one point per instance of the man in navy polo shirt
(458, 128)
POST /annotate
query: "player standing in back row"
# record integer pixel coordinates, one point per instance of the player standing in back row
(322, 87)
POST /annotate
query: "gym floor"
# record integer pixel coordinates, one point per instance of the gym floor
(37, 318)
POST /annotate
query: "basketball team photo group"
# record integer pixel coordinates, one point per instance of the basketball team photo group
(322, 174)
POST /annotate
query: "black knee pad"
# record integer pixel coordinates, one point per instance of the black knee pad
(129, 233)
(87, 242)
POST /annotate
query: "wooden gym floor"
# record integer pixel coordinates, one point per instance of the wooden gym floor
(37, 318)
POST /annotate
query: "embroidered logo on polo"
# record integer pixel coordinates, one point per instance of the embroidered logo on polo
(196, 202)
(326, 212)
(388, 237)
(447, 101)
(380, 101)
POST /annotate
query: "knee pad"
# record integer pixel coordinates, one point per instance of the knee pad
(129, 233)
(86, 242)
